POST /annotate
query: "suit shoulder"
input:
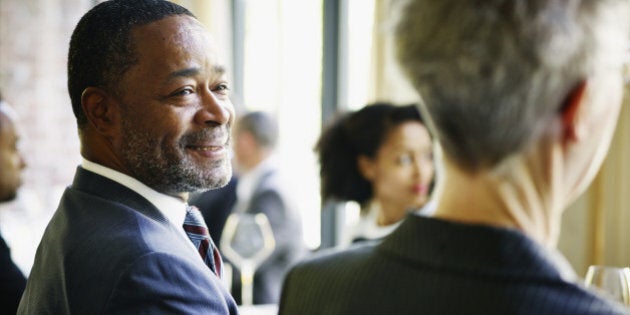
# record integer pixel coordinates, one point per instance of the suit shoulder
(329, 276)
(336, 263)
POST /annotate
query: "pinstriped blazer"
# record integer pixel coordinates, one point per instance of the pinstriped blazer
(431, 266)
(107, 250)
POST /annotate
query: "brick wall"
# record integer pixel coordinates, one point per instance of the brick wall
(34, 37)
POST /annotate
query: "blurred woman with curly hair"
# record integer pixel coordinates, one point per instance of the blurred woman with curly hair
(380, 157)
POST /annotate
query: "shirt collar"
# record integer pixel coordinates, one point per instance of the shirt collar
(172, 208)
(428, 209)
(370, 229)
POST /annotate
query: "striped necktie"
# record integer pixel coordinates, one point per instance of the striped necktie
(197, 232)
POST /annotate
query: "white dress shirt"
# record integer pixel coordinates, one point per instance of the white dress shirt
(368, 228)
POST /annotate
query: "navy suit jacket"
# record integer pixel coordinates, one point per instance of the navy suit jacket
(107, 250)
(430, 266)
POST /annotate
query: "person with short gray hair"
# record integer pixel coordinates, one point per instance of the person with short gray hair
(523, 97)
(262, 126)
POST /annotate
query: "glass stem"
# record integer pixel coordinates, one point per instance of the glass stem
(247, 281)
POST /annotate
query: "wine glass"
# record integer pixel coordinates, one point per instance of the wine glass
(612, 281)
(247, 241)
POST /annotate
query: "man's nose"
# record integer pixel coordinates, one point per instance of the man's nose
(214, 111)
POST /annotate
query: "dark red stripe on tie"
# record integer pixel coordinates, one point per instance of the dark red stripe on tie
(196, 229)
(198, 233)
(203, 248)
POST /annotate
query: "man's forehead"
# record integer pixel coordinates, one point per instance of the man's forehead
(172, 29)
(217, 70)
(169, 49)
(179, 34)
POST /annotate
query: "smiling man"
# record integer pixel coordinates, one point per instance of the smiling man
(150, 98)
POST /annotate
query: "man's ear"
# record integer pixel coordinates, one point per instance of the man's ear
(100, 110)
(572, 124)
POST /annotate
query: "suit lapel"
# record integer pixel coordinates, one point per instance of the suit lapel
(105, 188)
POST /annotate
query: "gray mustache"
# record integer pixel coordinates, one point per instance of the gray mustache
(207, 135)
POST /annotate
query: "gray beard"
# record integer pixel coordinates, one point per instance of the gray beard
(171, 170)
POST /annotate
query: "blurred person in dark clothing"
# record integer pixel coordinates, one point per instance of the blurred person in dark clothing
(12, 281)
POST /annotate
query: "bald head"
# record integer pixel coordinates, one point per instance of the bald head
(11, 162)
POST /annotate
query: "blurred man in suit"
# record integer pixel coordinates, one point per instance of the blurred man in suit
(523, 97)
(12, 281)
(261, 189)
(149, 93)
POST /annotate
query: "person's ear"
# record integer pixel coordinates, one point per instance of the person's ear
(572, 123)
(100, 110)
(366, 167)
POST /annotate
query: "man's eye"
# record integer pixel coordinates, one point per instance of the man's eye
(222, 87)
(183, 92)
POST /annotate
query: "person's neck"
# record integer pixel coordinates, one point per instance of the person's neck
(388, 214)
(520, 195)
(252, 161)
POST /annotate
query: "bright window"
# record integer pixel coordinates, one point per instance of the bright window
(282, 75)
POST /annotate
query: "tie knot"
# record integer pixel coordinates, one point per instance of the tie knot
(194, 217)
(194, 224)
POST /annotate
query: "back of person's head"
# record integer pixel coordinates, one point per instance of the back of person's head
(493, 74)
(351, 135)
(101, 49)
(261, 126)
